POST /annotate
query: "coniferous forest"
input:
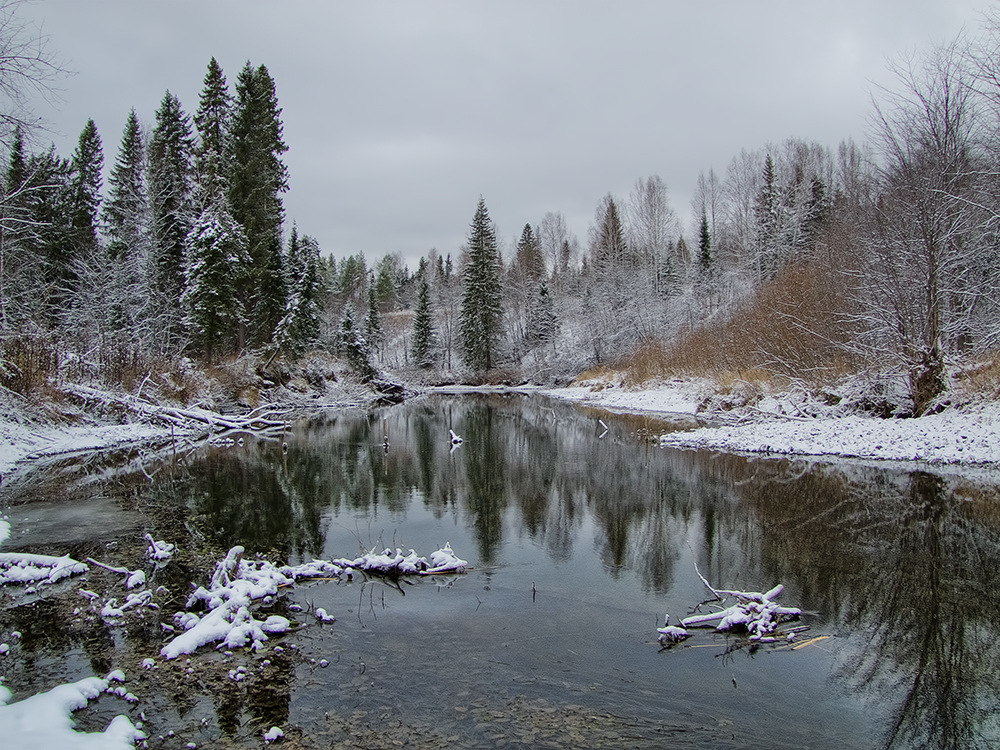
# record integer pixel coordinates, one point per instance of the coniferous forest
(805, 264)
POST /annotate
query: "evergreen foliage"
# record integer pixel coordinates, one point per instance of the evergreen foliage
(373, 320)
(256, 180)
(170, 190)
(216, 258)
(125, 211)
(423, 342)
(212, 121)
(481, 317)
(355, 348)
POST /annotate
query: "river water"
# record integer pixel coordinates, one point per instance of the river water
(581, 533)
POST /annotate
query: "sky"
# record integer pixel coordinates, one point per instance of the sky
(400, 114)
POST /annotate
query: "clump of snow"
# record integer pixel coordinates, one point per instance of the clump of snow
(45, 720)
(23, 567)
(757, 614)
(4, 530)
(272, 734)
(159, 551)
(237, 583)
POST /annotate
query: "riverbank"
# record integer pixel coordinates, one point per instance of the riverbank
(799, 424)
(967, 433)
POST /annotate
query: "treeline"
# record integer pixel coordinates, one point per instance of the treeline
(183, 252)
(805, 262)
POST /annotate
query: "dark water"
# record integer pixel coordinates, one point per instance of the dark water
(579, 542)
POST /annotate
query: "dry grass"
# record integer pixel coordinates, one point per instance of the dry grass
(982, 378)
(792, 330)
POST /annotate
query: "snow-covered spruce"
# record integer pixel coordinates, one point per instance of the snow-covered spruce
(237, 583)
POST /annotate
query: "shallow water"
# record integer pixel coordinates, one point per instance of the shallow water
(580, 538)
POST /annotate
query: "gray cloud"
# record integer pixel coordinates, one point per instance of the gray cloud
(400, 114)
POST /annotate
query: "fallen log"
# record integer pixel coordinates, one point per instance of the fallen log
(254, 420)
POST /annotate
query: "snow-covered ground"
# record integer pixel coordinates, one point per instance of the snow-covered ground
(969, 434)
(21, 440)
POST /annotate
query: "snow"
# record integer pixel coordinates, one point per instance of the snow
(237, 583)
(22, 441)
(44, 720)
(29, 568)
(966, 435)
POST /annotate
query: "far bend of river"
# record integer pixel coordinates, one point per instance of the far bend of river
(579, 541)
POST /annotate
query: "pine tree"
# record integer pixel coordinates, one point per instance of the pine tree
(212, 121)
(481, 315)
(170, 196)
(422, 348)
(216, 252)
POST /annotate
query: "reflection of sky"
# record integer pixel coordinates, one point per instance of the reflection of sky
(550, 613)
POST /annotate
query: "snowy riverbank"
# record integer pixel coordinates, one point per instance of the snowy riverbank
(789, 424)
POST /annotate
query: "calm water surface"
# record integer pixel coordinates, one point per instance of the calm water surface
(580, 539)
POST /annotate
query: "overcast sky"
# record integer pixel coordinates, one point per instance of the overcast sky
(399, 115)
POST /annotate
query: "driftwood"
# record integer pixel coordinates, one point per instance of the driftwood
(257, 419)
(755, 613)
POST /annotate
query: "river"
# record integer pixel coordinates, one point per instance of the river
(581, 533)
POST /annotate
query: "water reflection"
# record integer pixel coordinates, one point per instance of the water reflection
(902, 567)
(910, 564)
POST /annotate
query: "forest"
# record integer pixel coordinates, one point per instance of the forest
(806, 264)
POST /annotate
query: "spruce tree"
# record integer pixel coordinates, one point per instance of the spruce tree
(481, 315)
(170, 196)
(541, 317)
(125, 217)
(87, 163)
(257, 178)
(355, 348)
(216, 253)
(422, 347)
(126, 208)
(373, 321)
(212, 121)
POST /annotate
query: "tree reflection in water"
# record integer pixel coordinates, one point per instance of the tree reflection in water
(911, 564)
(904, 566)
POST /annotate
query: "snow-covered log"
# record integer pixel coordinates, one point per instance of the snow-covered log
(254, 420)
(753, 612)
(19, 567)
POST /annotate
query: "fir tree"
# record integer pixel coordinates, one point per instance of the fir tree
(125, 210)
(481, 314)
(422, 348)
(125, 218)
(215, 254)
(541, 322)
(704, 248)
(300, 325)
(528, 255)
(170, 196)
